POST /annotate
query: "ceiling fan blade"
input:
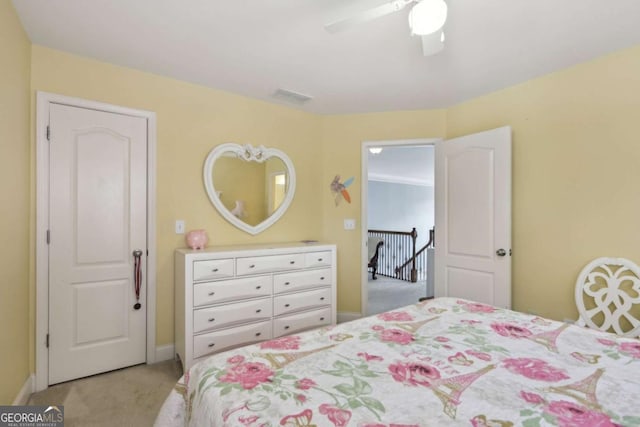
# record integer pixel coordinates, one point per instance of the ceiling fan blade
(367, 15)
(432, 43)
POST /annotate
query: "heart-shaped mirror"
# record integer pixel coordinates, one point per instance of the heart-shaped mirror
(251, 187)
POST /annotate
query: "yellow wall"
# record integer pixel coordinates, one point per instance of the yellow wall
(576, 173)
(342, 138)
(14, 204)
(192, 120)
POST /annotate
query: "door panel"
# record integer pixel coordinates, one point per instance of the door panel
(97, 218)
(99, 315)
(483, 284)
(101, 180)
(473, 217)
(470, 235)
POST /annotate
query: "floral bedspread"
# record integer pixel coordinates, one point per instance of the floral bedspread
(439, 363)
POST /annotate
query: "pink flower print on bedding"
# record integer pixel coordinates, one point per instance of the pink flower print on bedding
(535, 369)
(510, 330)
(398, 316)
(569, 414)
(414, 374)
(476, 307)
(339, 417)
(630, 349)
(305, 383)
(248, 375)
(397, 336)
(284, 343)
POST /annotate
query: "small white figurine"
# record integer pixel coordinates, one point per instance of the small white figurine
(239, 211)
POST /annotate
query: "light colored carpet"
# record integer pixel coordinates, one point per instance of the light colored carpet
(126, 397)
(386, 294)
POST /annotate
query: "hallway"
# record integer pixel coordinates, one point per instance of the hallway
(386, 294)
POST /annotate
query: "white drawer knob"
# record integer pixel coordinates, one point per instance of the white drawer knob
(215, 270)
(211, 345)
(287, 283)
(322, 278)
(258, 287)
(252, 266)
(319, 259)
(322, 318)
(211, 294)
(321, 298)
(212, 320)
(258, 310)
(286, 327)
(292, 262)
(258, 334)
(287, 305)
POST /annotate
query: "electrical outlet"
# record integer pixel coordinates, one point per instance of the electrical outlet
(349, 224)
(179, 226)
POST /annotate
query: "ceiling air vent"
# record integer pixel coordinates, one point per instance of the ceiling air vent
(291, 97)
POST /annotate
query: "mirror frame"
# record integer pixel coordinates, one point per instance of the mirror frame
(248, 153)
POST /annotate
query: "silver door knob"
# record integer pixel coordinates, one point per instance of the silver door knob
(501, 252)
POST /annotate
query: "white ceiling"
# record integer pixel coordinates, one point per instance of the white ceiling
(254, 47)
(412, 164)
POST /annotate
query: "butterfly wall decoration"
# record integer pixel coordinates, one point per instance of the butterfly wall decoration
(339, 189)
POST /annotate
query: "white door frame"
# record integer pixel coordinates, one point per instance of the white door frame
(364, 189)
(44, 100)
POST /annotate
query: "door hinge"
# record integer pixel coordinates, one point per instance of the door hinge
(48, 133)
(48, 237)
(47, 340)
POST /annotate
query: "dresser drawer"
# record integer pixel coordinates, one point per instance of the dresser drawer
(232, 337)
(317, 259)
(212, 269)
(266, 264)
(298, 322)
(227, 315)
(228, 290)
(288, 303)
(300, 280)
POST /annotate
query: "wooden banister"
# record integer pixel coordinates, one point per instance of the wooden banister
(399, 247)
(412, 260)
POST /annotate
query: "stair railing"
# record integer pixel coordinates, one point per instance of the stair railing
(399, 249)
(418, 263)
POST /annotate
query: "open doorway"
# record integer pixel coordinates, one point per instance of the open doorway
(397, 219)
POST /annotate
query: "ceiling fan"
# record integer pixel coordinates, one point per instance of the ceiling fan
(426, 20)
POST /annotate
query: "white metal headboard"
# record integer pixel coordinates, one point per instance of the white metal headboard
(613, 285)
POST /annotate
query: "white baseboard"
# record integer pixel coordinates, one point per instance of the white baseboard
(25, 392)
(165, 352)
(346, 316)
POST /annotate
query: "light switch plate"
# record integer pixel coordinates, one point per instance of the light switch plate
(179, 226)
(349, 224)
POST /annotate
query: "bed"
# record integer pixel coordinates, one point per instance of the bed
(437, 363)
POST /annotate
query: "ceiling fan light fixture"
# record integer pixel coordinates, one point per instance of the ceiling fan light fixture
(432, 43)
(427, 17)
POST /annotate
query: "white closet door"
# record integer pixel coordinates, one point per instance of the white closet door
(97, 219)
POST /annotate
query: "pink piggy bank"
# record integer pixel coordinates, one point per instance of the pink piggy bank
(197, 239)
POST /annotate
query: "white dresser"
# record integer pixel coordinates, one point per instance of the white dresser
(228, 296)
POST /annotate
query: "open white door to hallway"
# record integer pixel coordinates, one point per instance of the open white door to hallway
(473, 217)
(98, 202)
